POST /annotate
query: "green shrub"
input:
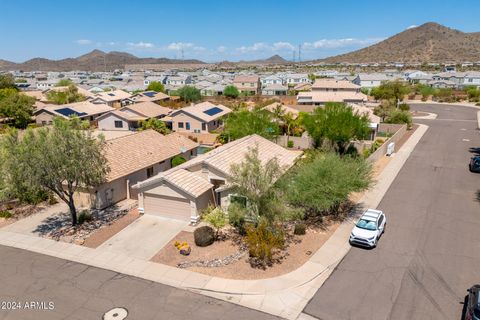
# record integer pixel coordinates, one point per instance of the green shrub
(204, 236)
(178, 160)
(404, 107)
(5, 214)
(51, 199)
(216, 217)
(290, 144)
(262, 241)
(300, 229)
(84, 216)
(236, 217)
(231, 92)
(366, 152)
(398, 116)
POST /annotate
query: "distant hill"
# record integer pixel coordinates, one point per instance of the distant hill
(96, 60)
(430, 42)
(276, 59)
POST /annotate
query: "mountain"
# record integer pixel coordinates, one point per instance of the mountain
(276, 59)
(95, 60)
(430, 42)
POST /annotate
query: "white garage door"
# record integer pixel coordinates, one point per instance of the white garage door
(168, 207)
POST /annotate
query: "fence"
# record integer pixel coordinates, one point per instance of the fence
(398, 131)
(300, 143)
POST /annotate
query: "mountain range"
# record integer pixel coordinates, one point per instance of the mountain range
(430, 42)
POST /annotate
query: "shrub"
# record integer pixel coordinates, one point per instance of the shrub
(262, 241)
(236, 217)
(366, 152)
(204, 236)
(290, 144)
(85, 216)
(398, 116)
(231, 92)
(5, 214)
(216, 217)
(299, 229)
(51, 199)
(178, 160)
(404, 107)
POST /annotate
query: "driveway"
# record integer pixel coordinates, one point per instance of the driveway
(144, 237)
(429, 255)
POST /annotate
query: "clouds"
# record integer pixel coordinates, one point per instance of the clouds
(310, 49)
(141, 45)
(83, 42)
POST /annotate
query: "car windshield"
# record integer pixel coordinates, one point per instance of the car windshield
(476, 312)
(365, 224)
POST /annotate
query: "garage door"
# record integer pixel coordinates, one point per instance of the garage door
(168, 207)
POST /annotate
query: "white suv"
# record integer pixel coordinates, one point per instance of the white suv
(369, 228)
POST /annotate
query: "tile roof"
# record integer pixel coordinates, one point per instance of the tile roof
(330, 96)
(148, 109)
(200, 111)
(114, 95)
(190, 182)
(327, 83)
(84, 107)
(134, 152)
(150, 96)
(246, 78)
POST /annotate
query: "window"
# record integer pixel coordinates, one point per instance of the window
(191, 152)
(44, 122)
(187, 125)
(380, 220)
(149, 172)
(180, 125)
(241, 200)
(118, 124)
(204, 126)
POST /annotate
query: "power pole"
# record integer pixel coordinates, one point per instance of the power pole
(293, 55)
(299, 53)
(183, 58)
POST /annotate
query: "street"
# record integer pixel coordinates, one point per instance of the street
(429, 254)
(78, 291)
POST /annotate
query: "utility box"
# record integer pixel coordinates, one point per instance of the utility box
(390, 148)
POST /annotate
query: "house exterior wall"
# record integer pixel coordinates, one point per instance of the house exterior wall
(108, 123)
(195, 124)
(44, 118)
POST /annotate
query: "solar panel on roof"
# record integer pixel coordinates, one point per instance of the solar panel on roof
(111, 94)
(213, 111)
(67, 112)
(150, 94)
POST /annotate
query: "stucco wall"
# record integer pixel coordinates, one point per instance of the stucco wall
(108, 123)
(380, 152)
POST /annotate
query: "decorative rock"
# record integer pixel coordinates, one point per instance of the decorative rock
(185, 250)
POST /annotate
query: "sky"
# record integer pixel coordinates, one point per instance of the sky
(215, 30)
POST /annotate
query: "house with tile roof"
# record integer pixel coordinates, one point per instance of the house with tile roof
(114, 98)
(198, 118)
(130, 116)
(332, 90)
(248, 83)
(183, 192)
(134, 158)
(85, 110)
(151, 96)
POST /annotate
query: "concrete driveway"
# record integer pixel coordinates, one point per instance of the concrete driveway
(429, 255)
(144, 237)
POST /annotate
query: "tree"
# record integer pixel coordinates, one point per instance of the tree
(17, 107)
(216, 217)
(60, 159)
(254, 181)
(336, 124)
(155, 124)
(231, 92)
(7, 81)
(178, 160)
(189, 94)
(395, 90)
(243, 123)
(70, 95)
(64, 83)
(320, 183)
(156, 86)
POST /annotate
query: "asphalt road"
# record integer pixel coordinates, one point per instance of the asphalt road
(80, 292)
(430, 253)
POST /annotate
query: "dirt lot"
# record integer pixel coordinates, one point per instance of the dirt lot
(299, 250)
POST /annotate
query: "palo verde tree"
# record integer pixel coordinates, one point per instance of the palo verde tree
(16, 107)
(243, 123)
(231, 92)
(60, 159)
(69, 95)
(337, 125)
(156, 86)
(189, 94)
(391, 90)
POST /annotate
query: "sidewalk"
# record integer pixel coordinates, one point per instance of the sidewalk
(284, 296)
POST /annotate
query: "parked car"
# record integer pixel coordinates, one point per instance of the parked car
(369, 228)
(474, 164)
(473, 306)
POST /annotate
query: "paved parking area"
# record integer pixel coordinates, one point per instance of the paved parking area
(144, 237)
